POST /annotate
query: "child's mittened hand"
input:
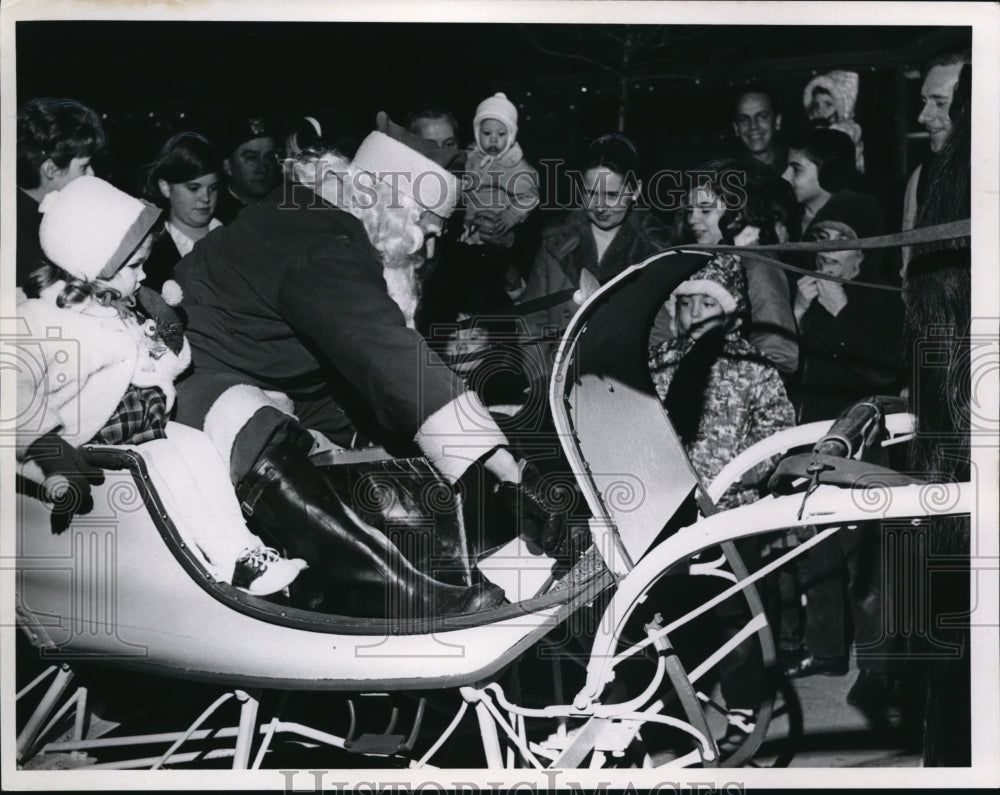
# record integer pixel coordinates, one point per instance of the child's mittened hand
(68, 478)
(831, 296)
(805, 293)
(808, 289)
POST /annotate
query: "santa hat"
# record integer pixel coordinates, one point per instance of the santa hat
(449, 157)
(428, 184)
(500, 108)
(724, 279)
(90, 228)
(841, 85)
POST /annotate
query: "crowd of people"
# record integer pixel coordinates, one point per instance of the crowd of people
(277, 285)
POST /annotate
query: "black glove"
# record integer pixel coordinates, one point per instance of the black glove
(545, 514)
(68, 478)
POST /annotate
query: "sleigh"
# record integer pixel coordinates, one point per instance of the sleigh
(613, 661)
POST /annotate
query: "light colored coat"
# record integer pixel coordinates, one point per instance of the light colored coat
(505, 184)
(76, 363)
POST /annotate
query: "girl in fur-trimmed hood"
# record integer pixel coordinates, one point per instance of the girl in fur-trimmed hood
(108, 378)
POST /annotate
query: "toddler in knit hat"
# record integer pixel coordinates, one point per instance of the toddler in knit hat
(501, 187)
(829, 101)
(111, 381)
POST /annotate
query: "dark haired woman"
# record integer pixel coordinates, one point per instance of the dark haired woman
(184, 179)
(591, 245)
(757, 220)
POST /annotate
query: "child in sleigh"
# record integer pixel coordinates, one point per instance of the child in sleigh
(131, 347)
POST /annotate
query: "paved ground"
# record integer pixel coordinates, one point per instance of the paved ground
(833, 734)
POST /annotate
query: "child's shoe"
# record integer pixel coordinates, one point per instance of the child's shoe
(262, 571)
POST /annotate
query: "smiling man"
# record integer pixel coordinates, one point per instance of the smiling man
(936, 92)
(756, 123)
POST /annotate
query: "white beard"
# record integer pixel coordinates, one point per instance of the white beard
(401, 284)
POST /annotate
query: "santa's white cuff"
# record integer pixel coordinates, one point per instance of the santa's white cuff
(458, 434)
(234, 408)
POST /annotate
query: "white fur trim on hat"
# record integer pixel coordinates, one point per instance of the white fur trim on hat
(710, 288)
(500, 108)
(428, 184)
(841, 85)
(90, 228)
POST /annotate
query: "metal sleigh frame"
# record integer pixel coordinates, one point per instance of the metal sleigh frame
(87, 594)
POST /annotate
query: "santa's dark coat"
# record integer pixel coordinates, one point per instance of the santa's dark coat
(290, 297)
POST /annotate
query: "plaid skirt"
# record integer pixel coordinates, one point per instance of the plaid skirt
(141, 416)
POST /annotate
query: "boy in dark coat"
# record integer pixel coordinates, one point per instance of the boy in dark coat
(850, 336)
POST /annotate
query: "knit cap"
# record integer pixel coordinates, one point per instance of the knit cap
(852, 215)
(500, 108)
(724, 279)
(841, 85)
(428, 184)
(90, 228)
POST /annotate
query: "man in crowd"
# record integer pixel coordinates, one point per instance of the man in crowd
(250, 164)
(434, 123)
(940, 76)
(756, 123)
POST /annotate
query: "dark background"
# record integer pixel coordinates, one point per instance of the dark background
(141, 76)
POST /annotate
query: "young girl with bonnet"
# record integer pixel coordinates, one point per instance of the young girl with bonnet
(129, 346)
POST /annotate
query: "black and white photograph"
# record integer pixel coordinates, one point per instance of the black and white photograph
(491, 396)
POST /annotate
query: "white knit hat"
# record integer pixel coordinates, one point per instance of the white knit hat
(500, 108)
(428, 184)
(90, 228)
(839, 84)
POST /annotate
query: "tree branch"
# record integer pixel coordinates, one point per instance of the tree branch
(546, 51)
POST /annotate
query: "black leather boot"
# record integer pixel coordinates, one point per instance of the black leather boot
(360, 572)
